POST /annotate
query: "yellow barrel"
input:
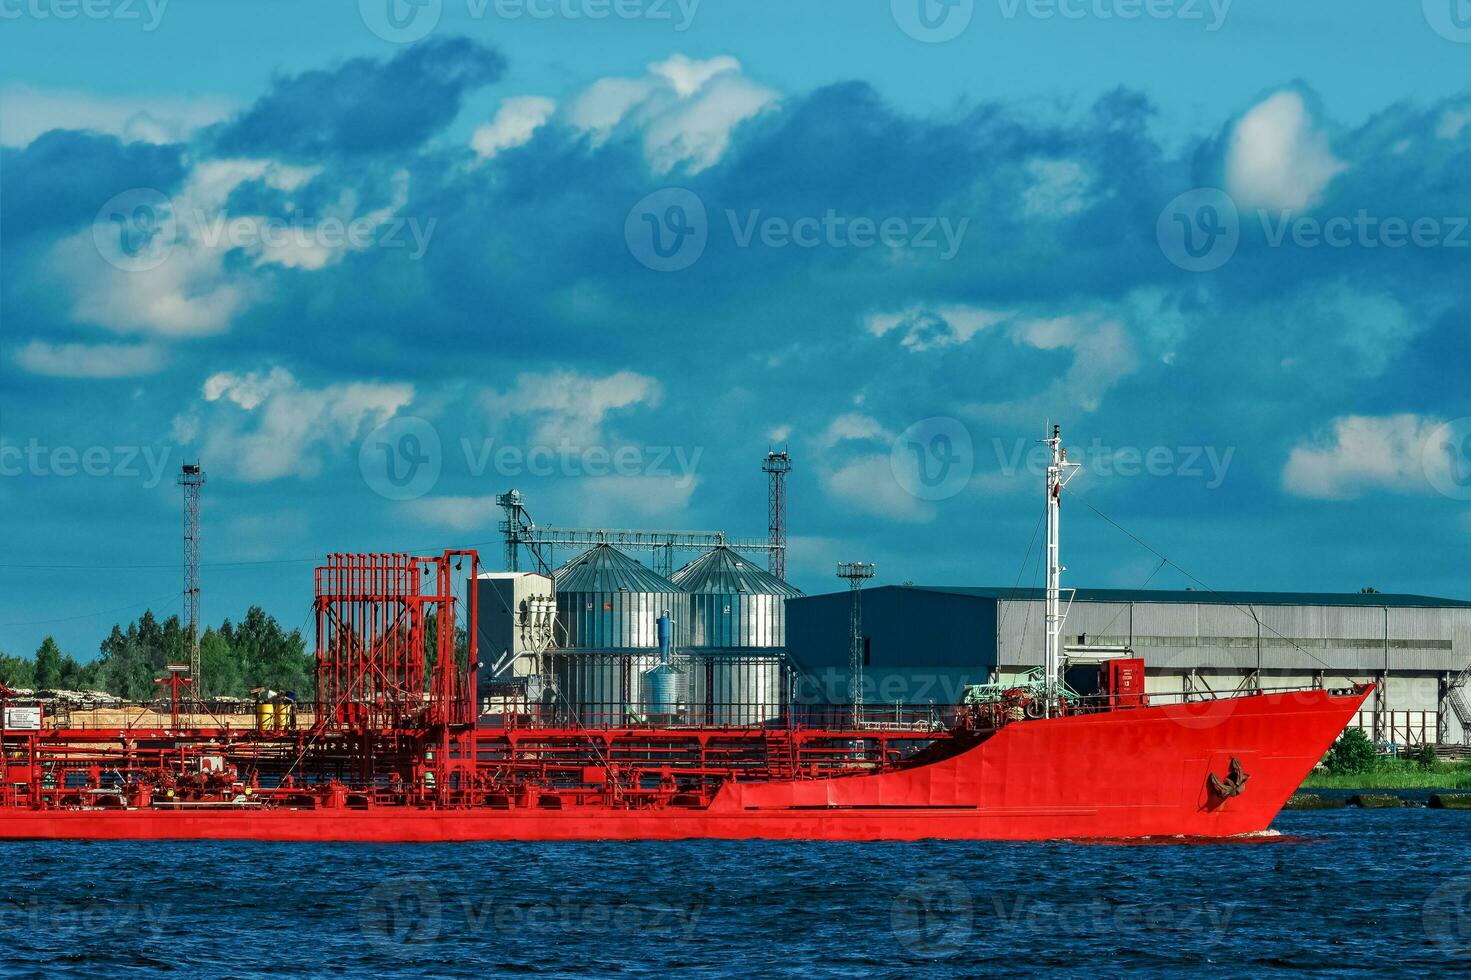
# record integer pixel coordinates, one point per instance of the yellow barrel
(265, 716)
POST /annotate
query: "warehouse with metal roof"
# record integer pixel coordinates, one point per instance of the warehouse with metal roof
(926, 643)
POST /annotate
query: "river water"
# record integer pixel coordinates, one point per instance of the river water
(1357, 891)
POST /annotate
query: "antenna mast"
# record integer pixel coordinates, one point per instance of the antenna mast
(1059, 472)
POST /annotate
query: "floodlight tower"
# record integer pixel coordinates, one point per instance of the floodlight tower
(191, 478)
(777, 466)
(856, 573)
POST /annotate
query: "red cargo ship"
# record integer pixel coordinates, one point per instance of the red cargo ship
(395, 750)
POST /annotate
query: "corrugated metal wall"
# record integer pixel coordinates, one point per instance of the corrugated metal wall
(726, 689)
(736, 620)
(618, 620)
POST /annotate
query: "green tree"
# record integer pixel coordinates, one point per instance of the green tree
(17, 671)
(48, 665)
(1351, 754)
(223, 676)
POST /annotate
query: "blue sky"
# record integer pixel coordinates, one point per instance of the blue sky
(373, 275)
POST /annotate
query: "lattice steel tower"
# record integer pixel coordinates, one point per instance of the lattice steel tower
(191, 478)
(777, 466)
(856, 572)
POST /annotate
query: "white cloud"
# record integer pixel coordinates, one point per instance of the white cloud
(1102, 349)
(606, 500)
(192, 290)
(1362, 453)
(1453, 123)
(605, 103)
(689, 76)
(864, 480)
(27, 111)
(683, 110)
(929, 329)
(568, 406)
(867, 484)
(514, 124)
(853, 426)
(188, 295)
(89, 360)
(1277, 158)
(1059, 188)
(265, 425)
(456, 513)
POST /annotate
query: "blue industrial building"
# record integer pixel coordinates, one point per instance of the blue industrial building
(925, 643)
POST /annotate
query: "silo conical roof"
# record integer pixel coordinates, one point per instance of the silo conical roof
(723, 572)
(603, 568)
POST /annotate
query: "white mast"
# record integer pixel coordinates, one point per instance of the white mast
(1059, 471)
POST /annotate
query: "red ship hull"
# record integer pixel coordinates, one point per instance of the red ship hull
(1143, 772)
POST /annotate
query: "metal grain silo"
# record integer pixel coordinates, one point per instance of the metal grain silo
(609, 602)
(736, 638)
(609, 607)
(733, 603)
